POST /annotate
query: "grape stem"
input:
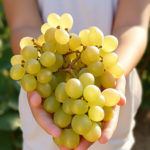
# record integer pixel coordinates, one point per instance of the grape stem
(37, 45)
(69, 71)
(71, 52)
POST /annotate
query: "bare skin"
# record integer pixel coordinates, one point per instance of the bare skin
(130, 27)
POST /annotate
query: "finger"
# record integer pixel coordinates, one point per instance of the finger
(64, 148)
(109, 127)
(43, 118)
(84, 144)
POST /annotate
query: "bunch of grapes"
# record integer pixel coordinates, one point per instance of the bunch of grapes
(74, 74)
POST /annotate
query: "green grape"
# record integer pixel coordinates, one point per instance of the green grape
(90, 55)
(29, 52)
(66, 21)
(91, 93)
(74, 42)
(62, 49)
(96, 113)
(107, 80)
(54, 82)
(94, 133)
(110, 59)
(26, 41)
(66, 106)
(96, 68)
(84, 37)
(98, 81)
(58, 141)
(50, 104)
(17, 72)
(53, 20)
(112, 97)
(45, 27)
(95, 36)
(49, 35)
(44, 76)
(61, 119)
(61, 36)
(116, 70)
(109, 113)
(100, 101)
(83, 70)
(70, 138)
(74, 88)
(60, 92)
(48, 59)
(16, 59)
(29, 83)
(79, 107)
(41, 40)
(48, 46)
(81, 124)
(44, 89)
(32, 66)
(86, 79)
(110, 43)
(60, 76)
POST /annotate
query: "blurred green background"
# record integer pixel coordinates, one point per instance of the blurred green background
(10, 132)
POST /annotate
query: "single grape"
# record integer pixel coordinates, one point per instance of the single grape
(109, 113)
(62, 49)
(32, 66)
(61, 36)
(60, 92)
(53, 20)
(58, 141)
(29, 52)
(48, 59)
(17, 72)
(49, 35)
(61, 119)
(74, 42)
(26, 41)
(53, 82)
(45, 27)
(84, 37)
(96, 113)
(50, 104)
(83, 70)
(16, 59)
(74, 88)
(29, 83)
(44, 89)
(112, 97)
(66, 106)
(81, 124)
(40, 40)
(48, 46)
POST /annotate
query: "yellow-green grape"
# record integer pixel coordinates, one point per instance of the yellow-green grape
(26, 41)
(95, 36)
(48, 46)
(60, 92)
(107, 80)
(32, 66)
(86, 79)
(96, 113)
(96, 68)
(74, 42)
(44, 89)
(110, 43)
(94, 133)
(90, 55)
(49, 35)
(29, 83)
(84, 37)
(83, 70)
(112, 97)
(102, 53)
(109, 113)
(53, 20)
(66, 106)
(48, 59)
(116, 70)
(81, 124)
(50, 104)
(79, 107)
(91, 93)
(62, 49)
(45, 27)
(97, 81)
(61, 119)
(44, 76)
(58, 141)
(74, 88)
(70, 138)
(61, 36)
(60, 76)
(17, 72)
(29, 52)
(41, 40)
(100, 101)
(53, 82)
(110, 59)
(16, 59)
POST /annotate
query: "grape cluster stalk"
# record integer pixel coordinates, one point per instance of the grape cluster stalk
(75, 74)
